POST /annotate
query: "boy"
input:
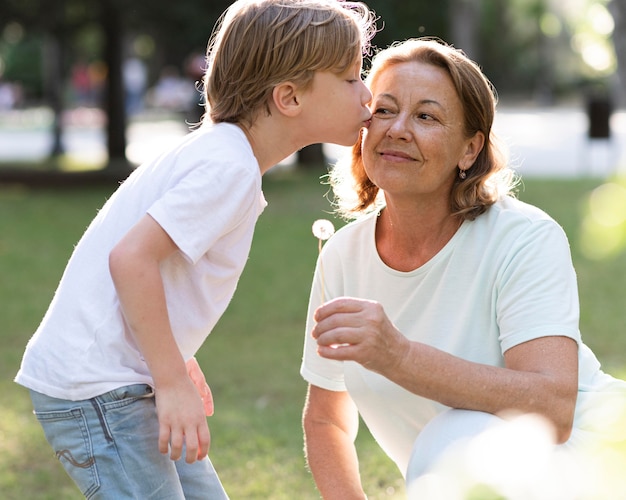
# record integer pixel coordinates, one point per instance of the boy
(111, 368)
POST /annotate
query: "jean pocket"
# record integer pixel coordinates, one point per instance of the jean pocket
(68, 434)
(130, 412)
(124, 396)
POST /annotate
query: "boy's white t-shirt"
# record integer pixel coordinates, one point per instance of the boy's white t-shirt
(206, 194)
(503, 279)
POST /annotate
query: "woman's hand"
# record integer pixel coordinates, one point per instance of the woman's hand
(358, 330)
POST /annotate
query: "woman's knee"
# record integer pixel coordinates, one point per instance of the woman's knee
(452, 427)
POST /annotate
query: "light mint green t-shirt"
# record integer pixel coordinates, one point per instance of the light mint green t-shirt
(502, 279)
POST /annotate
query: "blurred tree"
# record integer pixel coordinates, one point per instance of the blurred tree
(311, 156)
(400, 19)
(618, 11)
(24, 14)
(111, 21)
(179, 27)
(464, 16)
(523, 45)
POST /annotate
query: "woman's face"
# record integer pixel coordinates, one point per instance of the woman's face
(416, 138)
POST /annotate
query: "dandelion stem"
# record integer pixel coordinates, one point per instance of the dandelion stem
(321, 271)
(322, 229)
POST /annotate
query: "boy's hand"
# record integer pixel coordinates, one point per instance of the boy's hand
(182, 420)
(197, 377)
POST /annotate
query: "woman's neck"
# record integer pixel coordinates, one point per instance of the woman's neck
(407, 240)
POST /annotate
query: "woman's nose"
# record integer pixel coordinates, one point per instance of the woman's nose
(398, 128)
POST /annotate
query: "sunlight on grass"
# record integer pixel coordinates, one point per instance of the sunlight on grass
(77, 162)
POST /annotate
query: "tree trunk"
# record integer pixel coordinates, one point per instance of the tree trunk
(464, 16)
(114, 100)
(311, 156)
(53, 79)
(618, 11)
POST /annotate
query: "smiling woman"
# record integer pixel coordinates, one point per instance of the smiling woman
(419, 128)
(454, 305)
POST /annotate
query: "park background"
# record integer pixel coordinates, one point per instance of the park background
(91, 88)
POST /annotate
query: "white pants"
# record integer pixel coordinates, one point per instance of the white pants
(452, 427)
(462, 453)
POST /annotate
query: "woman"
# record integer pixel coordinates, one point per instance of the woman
(453, 305)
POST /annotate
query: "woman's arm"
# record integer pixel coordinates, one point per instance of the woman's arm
(330, 424)
(134, 264)
(541, 376)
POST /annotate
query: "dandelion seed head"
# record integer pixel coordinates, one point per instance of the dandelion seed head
(323, 229)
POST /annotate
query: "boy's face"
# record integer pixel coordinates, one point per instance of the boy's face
(336, 106)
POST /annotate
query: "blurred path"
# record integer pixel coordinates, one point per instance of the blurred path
(554, 142)
(550, 142)
(25, 136)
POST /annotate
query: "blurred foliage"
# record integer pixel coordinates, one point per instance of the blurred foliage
(171, 32)
(531, 47)
(400, 19)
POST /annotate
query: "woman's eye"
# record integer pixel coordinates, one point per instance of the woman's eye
(425, 116)
(381, 111)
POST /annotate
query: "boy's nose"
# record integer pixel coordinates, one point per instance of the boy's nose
(367, 94)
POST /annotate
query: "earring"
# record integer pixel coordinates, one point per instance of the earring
(462, 174)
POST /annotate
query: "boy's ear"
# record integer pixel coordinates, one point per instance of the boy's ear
(286, 97)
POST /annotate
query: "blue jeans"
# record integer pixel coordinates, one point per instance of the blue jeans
(108, 446)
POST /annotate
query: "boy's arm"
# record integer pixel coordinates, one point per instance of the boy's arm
(135, 268)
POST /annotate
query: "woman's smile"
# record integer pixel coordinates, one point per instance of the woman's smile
(393, 155)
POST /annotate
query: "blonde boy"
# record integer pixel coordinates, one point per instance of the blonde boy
(111, 368)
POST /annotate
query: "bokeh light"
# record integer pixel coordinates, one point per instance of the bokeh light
(516, 460)
(592, 25)
(603, 227)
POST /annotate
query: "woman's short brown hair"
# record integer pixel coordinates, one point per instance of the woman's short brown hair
(258, 44)
(487, 179)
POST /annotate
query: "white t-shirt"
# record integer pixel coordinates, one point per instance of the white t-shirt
(503, 279)
(206, 194)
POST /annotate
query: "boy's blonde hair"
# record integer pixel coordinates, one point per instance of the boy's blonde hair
(486, 180)
(258, 44)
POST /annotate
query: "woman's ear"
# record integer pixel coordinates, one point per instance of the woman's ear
(286, 98)
(473, 148)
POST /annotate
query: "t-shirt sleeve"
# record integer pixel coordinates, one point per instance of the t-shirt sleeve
(210, 200)
(325, 373)
(537, 293)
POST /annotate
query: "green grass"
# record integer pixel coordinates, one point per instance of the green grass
(252, 358)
